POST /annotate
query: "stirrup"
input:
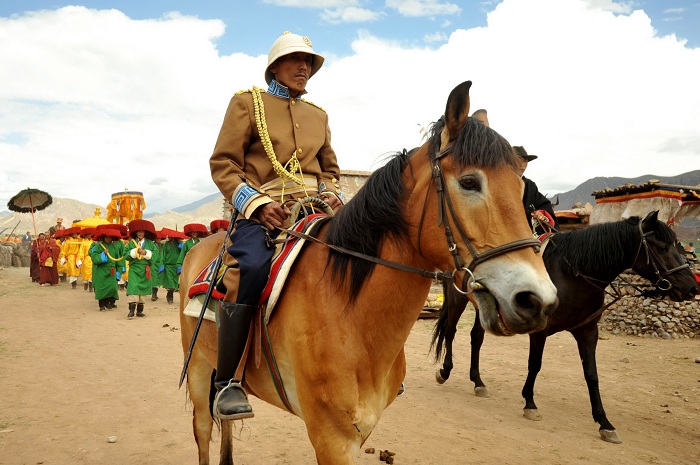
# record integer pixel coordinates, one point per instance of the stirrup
(242, 408)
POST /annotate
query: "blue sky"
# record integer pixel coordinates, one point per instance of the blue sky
(595, 87)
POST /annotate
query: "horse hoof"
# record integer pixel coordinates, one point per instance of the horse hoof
(482, 391)
(439, 378)
(532, 414)
(610, 435)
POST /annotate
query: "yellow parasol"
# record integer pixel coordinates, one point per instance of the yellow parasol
(92, 221)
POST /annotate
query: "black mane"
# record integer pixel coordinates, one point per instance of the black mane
(605, 245)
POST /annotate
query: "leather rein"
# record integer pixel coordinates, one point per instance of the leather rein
(445, 206)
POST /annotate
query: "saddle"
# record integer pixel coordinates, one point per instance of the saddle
(286, 251)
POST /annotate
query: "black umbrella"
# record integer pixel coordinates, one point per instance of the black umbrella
(30, 200)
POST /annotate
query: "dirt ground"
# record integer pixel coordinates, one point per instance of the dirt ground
(71, 377)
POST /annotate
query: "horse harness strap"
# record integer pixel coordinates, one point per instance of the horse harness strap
(662, 283)
(445, 203)
(423, 272)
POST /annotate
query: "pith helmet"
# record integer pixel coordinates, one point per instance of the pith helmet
(289, 43)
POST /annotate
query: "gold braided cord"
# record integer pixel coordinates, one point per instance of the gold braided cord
(108, 255)
(289, 170)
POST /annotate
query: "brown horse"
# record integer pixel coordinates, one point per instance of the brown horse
(340, 324)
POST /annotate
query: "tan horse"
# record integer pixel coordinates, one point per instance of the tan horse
(340, 324)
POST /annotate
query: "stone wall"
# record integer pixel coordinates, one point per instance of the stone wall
(12, 254)
(647, 317)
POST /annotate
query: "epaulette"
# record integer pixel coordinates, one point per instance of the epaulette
(246, 91)
(314, 105)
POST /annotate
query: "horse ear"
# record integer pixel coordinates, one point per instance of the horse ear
(456, 113)
(652, 216)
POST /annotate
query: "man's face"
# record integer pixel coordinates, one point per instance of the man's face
(522, 166)
(107, 239)
(140, 234)
(293, 71)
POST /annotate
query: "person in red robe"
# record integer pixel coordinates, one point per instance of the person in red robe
(48, 262)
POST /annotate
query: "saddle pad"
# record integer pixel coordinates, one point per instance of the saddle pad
(194, 308)
(282, 263)
(203, 281)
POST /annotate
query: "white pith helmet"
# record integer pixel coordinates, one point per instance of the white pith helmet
(289, 43)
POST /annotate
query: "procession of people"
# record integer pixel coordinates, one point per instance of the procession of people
(133, 260)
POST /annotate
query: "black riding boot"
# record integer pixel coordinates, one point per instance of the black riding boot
(231, 402)
(169, 296)
(85, 285)
(154, 296)
(90, 289)
(102, 304)
(74, 284)
(132, 308)
(139, 310)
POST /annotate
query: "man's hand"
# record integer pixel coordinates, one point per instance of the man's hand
(272, 215)
(332, 200)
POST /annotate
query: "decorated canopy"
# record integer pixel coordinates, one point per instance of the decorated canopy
(674, 203)
(126, 206)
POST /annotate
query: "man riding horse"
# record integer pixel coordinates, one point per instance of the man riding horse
(258, 178)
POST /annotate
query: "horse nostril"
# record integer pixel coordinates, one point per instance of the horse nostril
(528, 301)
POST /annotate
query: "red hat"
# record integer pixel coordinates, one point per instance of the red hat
(142, 225)
(218, 224)
(70, 231)
(87, 232)
(196, 228)
(172, 234)
(107, 230)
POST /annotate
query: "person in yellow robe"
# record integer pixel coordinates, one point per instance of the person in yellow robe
(68, 257)
(84, 260)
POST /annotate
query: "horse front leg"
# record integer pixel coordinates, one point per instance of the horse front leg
(534, 365)
(477, 340)
(199, 375)
(587, 341)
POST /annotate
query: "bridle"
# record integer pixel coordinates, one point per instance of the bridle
(662, 283)
(446, 206)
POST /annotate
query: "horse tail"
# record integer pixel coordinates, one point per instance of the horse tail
(438, 341)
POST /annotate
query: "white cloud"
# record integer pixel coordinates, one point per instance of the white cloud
(423, 7)
(435, 37)
(92, 102)
(350, 15)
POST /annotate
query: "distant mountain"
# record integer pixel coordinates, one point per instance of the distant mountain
(191, 206)
(584, 192)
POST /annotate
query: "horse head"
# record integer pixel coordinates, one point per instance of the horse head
(479, 197)
(659, 260)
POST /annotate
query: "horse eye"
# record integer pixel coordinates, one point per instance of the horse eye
(470, 183)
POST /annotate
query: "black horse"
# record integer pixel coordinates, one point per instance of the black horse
(581, 264)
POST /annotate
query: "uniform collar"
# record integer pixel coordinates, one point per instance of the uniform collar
(278, 90)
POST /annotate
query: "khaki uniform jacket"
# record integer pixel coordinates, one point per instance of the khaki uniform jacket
(293, 125)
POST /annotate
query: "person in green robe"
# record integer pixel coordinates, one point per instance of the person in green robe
(157, 277)
(141, 252)
(195, 231)
(107, 254)
(171, 254)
